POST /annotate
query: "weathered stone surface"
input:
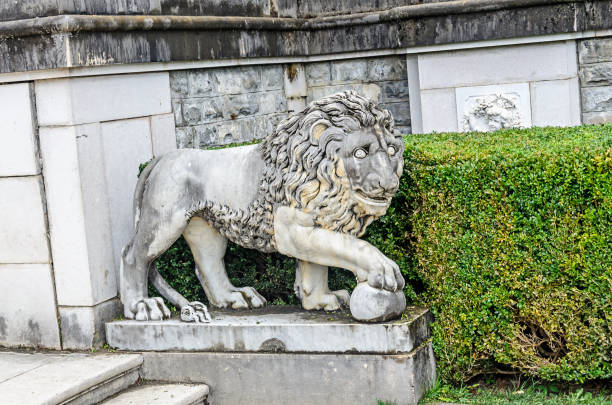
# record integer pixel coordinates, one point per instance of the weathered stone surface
(275, 379)
(23, 238)
(374, 305)
(27, 308)
(83, 327)
(595, 50)
(102, 98)
(597, 118)
(292, 330)
(17, 143)
(400, 111)
(62, 378)
(395, 91)
(369, 90)
(389, 68)
(599, 74)
(350, 71)
(318, 74)
(272, 77)
(595, 99)
(166, 394)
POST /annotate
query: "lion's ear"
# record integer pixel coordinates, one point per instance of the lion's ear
(317, 130)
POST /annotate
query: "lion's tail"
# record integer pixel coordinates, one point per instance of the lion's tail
(140, 189)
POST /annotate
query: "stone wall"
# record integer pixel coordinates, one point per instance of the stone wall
(221, 106)
(226, 105)
(595, 59)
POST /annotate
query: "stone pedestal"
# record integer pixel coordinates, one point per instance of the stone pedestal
(281, 355)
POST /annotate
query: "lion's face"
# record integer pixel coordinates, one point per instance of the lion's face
(373, 162)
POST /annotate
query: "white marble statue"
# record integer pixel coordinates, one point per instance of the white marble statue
(309, 190)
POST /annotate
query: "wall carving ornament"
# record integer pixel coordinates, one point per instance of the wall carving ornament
(489, 108)
(308, 191)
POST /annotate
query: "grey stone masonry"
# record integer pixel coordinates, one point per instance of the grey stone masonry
(382, 79)
(226, 105)
(595, 59)
(220, 106)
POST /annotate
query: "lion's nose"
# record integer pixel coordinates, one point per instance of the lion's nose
(389, 183)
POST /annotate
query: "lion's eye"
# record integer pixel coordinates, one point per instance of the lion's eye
(391, 150)
(360, 153)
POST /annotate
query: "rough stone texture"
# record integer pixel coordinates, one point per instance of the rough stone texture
(595, 57)
(18, 150)
(383, 80)
(39, 379)
(239, 38)
(83, 327)
(162, 394)
(226, 105)
(274, 329)
(280, 378)
(27, 307)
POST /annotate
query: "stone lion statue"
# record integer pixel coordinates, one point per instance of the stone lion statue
(309, 190)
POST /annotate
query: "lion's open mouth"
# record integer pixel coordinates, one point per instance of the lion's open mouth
(377, 201)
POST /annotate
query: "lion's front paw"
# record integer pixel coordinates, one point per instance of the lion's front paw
(195, 312)
(149, 309)
(382, 273)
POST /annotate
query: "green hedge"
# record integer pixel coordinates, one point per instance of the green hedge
(506, 236)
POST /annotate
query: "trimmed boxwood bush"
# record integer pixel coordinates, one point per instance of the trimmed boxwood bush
(506, 236)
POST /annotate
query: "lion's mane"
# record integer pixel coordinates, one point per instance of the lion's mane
(303, 172)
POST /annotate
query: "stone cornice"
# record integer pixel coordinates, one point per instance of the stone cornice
(87, 40)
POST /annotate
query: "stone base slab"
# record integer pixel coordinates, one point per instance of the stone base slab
(275, 329)
(293, 378)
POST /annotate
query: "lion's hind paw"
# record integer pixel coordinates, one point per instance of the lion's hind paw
(150, 309)
(195, 312)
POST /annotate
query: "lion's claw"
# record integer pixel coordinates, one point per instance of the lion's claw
(195, 312)
(150, 309)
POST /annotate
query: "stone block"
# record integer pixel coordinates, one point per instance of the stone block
(349, 71)
(294, 79)
(83, 327)
(201, 83)
(555, 103)
(400, 112)
(281, 378)
(240, 105)
(370, 90)
(179, 84)
(27, 307)
(126, 145)
(416, 119)
(599, 74)
(596, 99)
(296, 104)
(177, 110)
(395, 91)
(185, 137)
(318, 74)
(285, 329)
(489, 66)
(597, 118)
(439, 110)
(238, 80)
(272, 77)
(17, 140)
(82, 100)
(163, 135)
(79, 216)
(389, 68)
(201, 110)
(229, 132)
(205, 135)
(23, 235)
(595, 50)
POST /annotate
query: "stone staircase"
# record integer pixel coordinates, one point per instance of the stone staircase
(82, 379)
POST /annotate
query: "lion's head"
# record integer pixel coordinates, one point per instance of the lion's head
(338, 159)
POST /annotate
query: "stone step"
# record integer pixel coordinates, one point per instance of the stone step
(75, 379)
(161, 394)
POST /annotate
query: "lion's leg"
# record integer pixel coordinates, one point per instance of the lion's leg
(208, 248)
(152, 237)
(312, 289)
